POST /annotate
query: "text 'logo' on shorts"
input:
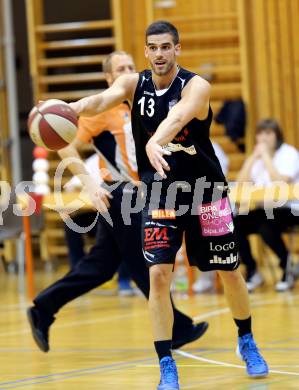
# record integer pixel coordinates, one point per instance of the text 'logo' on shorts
(224, 247)
(228, 260)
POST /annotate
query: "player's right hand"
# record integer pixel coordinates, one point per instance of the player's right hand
(100, 199)
(155, 153)
(98, 195)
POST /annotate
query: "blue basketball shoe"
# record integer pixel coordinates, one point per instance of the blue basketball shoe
(169, 375)
(247, 350)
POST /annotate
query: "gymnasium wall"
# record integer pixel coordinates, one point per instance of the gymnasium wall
(274, 69)
(267, 34)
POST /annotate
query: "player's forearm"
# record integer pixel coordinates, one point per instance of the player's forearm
(122, 89)
(194, 103)
(74, 163)
(88, 106)
(167, 130)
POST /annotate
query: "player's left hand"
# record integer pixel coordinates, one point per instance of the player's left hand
(155, 153)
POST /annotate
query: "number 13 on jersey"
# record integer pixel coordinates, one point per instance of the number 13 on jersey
(150, 104)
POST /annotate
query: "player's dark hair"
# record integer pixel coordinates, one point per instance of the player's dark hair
(273, 125)
(162, 27)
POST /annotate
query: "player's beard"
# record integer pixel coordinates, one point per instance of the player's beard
(164, 71)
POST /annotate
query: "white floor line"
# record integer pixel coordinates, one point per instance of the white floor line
(210, 314)
(225, 310)
(208, 365)
(177, 364)
(220, 363)
(202, 359)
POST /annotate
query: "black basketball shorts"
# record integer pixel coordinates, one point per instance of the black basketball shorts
(209, 236)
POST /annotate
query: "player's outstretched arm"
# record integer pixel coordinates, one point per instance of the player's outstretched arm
(122, 89)
(194, 104)
(99, 196)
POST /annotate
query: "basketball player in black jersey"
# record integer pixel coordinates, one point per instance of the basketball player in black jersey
(187, 191)
(111, 246)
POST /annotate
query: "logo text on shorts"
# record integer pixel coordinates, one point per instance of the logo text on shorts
(228, 260)
(225, 247)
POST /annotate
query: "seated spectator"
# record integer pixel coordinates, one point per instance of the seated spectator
(272, 160)
(205, 282)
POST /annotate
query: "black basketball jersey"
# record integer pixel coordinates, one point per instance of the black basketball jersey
(192, 155)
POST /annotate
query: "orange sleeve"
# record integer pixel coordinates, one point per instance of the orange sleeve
(89, 127)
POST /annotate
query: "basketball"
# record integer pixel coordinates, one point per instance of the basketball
(52, 124)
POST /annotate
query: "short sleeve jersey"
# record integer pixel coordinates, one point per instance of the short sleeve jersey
(111, 132)
(193, 155)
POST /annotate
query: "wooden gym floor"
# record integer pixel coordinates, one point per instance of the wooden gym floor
(104, 342)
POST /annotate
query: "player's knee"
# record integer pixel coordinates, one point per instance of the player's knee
(159, 278)
(230, 276)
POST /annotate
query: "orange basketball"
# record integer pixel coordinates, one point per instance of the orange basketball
(52, 124)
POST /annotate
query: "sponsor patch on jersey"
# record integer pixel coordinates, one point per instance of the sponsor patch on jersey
(163, 214)
(178, 148)
(172, 103)
(148, 93)
(155, 238)
(216, 218)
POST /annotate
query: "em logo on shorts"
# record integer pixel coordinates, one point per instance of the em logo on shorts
(155, 234)
(216, 218)
(155, 238)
